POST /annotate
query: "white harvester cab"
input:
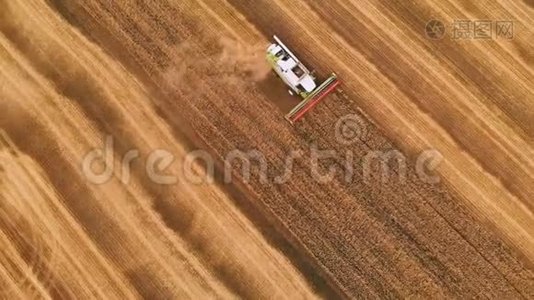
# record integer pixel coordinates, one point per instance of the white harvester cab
(290, 69)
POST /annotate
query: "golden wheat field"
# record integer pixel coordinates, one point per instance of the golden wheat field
(94, 94)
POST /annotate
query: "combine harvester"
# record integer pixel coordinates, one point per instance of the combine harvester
(299, 79)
